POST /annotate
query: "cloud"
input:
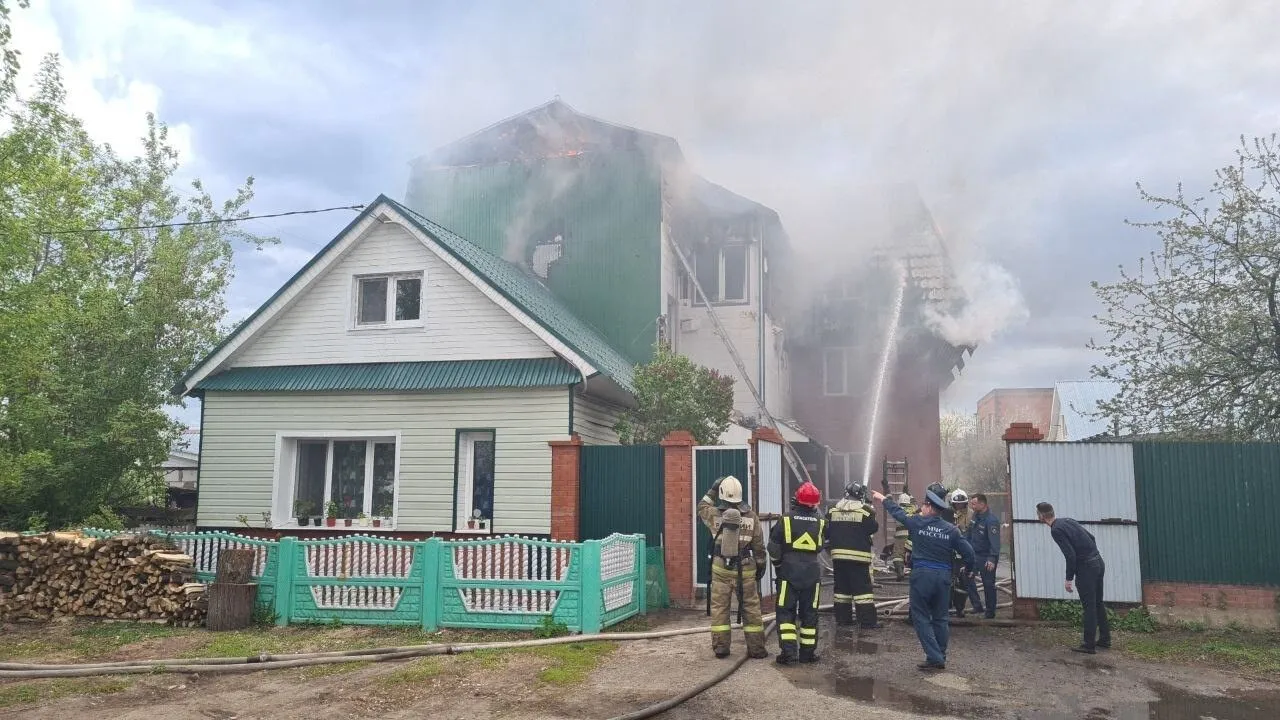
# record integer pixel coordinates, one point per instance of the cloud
(1024, 124)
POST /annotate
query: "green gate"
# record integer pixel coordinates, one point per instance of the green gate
(710, 463)
(620, 491)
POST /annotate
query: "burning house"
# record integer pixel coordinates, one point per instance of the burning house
(614, 222)
(844, 338)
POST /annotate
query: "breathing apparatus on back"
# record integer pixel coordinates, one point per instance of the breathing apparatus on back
(730, 524)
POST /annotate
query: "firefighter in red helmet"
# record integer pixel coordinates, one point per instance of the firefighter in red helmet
(794, 544)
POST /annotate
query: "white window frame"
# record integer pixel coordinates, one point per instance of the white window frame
(284, 477)
(844, 371)
(689, 290)
(463, 492)
(392, 278)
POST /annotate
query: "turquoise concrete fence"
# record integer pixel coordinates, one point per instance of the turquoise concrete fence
(506, 583)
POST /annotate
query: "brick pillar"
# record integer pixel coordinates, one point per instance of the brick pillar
(1022, 432)
(678, 517)
(566, 456)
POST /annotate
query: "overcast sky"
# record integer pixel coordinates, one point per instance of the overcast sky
(1025, 125)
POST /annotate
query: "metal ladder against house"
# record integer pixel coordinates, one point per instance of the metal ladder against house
(894, 478)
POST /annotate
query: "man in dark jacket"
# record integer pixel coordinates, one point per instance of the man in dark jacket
(1085, 566)
(794, 544)
(934, 542)
(984, 536)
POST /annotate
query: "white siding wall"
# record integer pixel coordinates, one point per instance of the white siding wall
(238, 454)
(705, 347)
(460, 322)
(594, 419)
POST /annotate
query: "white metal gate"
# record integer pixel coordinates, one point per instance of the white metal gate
(1091, 482)
(772, 494)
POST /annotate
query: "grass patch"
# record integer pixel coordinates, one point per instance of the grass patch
(418, 671)
(87, 640)
(572, 663)
(47, 690)
(635, 623)
(1254, 652)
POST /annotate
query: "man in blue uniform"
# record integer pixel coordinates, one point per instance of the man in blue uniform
(934, 542)
(984, 536)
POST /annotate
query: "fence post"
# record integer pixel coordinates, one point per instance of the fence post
(642, 579)
(590, 598)
(286, 547)
(432, 551)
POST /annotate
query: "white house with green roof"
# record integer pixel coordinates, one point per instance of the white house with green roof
(404, 374)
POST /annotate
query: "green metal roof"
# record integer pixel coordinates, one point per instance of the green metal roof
(439, 375)
(531, 296)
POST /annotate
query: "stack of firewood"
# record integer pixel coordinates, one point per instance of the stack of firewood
(127, 577)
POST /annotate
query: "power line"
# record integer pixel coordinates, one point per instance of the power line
(202, 222)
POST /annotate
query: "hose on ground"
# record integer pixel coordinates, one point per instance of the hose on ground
(665, 705)
(223, 665)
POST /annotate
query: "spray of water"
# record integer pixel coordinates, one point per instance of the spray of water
(890, 343)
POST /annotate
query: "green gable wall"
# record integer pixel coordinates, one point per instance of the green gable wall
(607, 205)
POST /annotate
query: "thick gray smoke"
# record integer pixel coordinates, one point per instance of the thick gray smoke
(992, 302)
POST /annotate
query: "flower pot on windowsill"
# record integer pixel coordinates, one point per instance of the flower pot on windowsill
(317, 521)
(377, 522)
(346, 522)
(331, 522)
(302, 521)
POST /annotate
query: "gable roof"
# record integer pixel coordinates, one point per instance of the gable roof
(580, 343)
(1077, 401)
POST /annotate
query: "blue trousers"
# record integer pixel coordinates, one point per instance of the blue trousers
(930, 600)
(988, 590)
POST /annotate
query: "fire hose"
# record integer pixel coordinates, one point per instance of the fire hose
(9, 670)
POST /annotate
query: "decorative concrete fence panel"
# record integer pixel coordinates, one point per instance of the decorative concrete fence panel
(505, 583)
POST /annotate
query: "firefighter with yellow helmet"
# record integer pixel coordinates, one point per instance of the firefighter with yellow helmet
(794, 544)
(737, 558)
(902, 538)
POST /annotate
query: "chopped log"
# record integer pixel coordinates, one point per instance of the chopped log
(231, 605)
(235, 566)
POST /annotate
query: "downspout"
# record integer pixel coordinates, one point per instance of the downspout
(760, 309)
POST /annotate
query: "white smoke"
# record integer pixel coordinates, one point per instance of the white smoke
(992, 302)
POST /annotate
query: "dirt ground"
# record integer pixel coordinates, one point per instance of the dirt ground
(992, 673)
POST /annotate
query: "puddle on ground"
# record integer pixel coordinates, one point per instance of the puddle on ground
(870, 690)
(1176, 704)
(848, 640)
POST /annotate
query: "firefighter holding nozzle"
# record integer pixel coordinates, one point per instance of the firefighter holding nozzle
(737, 559)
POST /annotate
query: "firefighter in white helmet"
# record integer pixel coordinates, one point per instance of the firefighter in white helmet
(902, 538)
(959, 578)
(737, 558)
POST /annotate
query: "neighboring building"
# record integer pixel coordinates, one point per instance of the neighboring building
(840, 331)
(1002, 406)
(181, 470)
(407, 374)
(592, 208)
(1074, 411)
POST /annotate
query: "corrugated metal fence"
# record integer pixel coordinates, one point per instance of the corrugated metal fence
(1093, 483)
(620, 491)
(1208, 511)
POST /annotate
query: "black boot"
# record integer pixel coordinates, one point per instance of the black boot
(808, 655)
(844, 614)
(867, 617)
(785, 658)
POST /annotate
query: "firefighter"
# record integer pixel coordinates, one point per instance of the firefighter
(851, 524)
(959, 578)
(902, 538)
(934, 542)
(794, 544)
(737, 559)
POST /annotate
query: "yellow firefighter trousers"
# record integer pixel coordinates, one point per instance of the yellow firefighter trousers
(724, 588)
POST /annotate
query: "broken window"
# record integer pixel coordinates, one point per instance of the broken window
(733, 271)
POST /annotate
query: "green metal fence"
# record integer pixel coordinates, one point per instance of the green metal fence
(620, 491)
(506, 583)
(1204, 512)
(710, 463)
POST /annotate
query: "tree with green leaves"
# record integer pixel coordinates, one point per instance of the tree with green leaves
(106, 298)
(1193, 334)
(675, 393)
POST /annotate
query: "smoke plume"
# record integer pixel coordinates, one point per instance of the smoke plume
(992, 302)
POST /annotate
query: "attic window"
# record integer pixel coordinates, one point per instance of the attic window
(388, 300)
